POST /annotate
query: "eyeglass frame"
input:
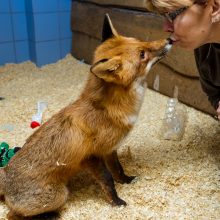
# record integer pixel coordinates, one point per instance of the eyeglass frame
(171, 16)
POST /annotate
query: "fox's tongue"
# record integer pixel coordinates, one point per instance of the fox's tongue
(167, 26)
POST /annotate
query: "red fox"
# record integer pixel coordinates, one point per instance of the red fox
(86, 133)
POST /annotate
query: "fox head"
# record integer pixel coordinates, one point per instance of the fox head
(121, 60)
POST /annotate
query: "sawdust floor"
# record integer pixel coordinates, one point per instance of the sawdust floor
(175, 179)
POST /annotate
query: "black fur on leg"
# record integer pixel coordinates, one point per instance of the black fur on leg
(116, 169)
(97, 168)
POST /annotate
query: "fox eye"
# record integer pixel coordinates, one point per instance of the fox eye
(142, 54)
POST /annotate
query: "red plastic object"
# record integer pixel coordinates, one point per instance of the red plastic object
(35, 124)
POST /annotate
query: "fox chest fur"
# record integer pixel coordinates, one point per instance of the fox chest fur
(107, 115)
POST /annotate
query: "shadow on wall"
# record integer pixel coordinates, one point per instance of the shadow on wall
(36, 30)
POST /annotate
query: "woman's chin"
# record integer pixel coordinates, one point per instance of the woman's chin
(185, 45)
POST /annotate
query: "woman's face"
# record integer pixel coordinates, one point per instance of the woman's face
(192, 27)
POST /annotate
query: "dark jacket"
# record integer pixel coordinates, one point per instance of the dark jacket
(208, 63)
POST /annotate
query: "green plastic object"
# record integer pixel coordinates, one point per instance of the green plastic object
(4, 145)
(6, 154)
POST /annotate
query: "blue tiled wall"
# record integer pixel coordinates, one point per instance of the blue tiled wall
(36, 30)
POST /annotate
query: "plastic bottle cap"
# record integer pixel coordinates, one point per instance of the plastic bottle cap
(35, 124)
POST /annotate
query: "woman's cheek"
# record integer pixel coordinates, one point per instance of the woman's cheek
(182, 27)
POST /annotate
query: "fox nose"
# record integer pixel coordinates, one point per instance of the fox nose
(166, 48)
(170, 41)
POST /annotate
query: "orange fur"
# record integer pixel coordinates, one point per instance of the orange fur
(85, 134)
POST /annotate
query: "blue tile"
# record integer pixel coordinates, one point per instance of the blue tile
(6, 33)
(32, 51)
(21, 51)
(20, 26)
(28, 5)
(4, 6)
(65, 47)
(47, 52)
(7, 54)
(46, 27)
(17, 6)
(44, 6)
(64, 5)
(30, 26)
(65, 25)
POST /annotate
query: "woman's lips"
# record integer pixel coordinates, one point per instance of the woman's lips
(168, 27)
(174, 40)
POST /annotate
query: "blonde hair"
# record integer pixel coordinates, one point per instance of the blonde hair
(164, 5)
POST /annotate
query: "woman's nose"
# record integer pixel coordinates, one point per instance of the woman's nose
(168, 26)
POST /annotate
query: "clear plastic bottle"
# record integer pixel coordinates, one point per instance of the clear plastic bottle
(37, 118)
(174, 121)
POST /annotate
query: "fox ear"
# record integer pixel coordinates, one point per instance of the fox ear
(107, 69)
(108, 30)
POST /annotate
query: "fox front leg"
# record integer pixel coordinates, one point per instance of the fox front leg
(116, 169)
(97, 168)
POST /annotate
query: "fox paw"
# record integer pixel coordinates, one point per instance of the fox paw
(129, 179)
(126, 179)
(118, 202)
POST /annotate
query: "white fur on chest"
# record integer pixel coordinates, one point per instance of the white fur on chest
(139, 86)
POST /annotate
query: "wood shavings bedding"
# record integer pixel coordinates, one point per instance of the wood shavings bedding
(175, 179)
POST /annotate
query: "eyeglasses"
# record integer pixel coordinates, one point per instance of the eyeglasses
(170, 16)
